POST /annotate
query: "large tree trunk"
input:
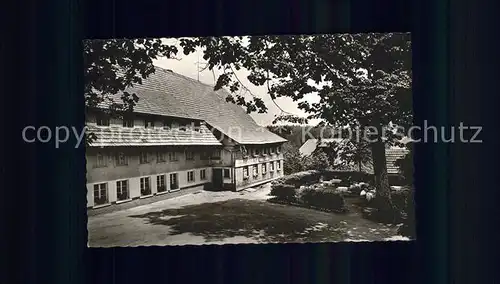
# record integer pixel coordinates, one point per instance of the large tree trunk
(381, 179)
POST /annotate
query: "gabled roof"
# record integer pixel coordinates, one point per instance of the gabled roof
(311, 144)
(167, 93)
(392, 154)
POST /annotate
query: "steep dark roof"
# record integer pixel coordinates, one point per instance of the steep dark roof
(167, 93)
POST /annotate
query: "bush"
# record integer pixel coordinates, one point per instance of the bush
(396, 179)
(301, 178)
(285, 192)
(348, 177)
(407, 202)
(403, 200)
(324, 198)
(356, 188)
(403, 207)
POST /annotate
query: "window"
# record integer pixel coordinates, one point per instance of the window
(256, 152)
(101, 161)
(203, 174)
(245, 172)
(161, 157)
(172, 156)
(255, 170)
(102, 119)
(216, 154)
(100, 194)
(197, 126)
(204, 155)
(143, 158)
(278, 165)
(174, 184)
(265, 151)
(189, 155)
(264, 169)
(190, 176)
(226, 173)
(145, 186)
(161, 185)
(166, 124)
(271, 167)
(121, 159)
(122, 190)
(148, 123)
(272, 150)
(278, 149)
(128, 122)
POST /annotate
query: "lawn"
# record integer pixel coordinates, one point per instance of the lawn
(221, 218)
(258, 220)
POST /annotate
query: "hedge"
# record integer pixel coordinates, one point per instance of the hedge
(300, 178)
(348, 177)
(284, 192)
(325, 198)
(313, 196)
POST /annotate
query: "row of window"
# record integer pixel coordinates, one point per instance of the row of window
(255, 169)
(264, 151)
(161, 157)
(101, 194)
(104, 120)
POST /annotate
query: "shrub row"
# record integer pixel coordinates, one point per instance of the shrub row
(325, 198)
(348, 177)
(292, 190)
(300, 178)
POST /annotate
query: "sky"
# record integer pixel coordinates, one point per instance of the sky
(187, 65)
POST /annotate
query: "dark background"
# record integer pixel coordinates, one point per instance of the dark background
(43, 218)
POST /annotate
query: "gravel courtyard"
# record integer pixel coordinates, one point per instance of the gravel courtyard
(229, 218)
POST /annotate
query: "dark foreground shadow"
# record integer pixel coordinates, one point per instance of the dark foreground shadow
(258, 220)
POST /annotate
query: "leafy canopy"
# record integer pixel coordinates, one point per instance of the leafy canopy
(113, 65)
(361, 79)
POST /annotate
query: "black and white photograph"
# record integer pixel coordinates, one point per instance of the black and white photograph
(249, 139)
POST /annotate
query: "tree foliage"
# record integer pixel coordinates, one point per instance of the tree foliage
(319, 161)
(113, 65)
(362, 80)
(293, 161)
(365, 78)
(353, 151)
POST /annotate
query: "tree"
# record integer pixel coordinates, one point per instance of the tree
(113, 65)
(292, 159)
(405, 165)
(353, 150)
(363, 80)
(319, 161)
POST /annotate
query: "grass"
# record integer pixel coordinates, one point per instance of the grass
(262, 221)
